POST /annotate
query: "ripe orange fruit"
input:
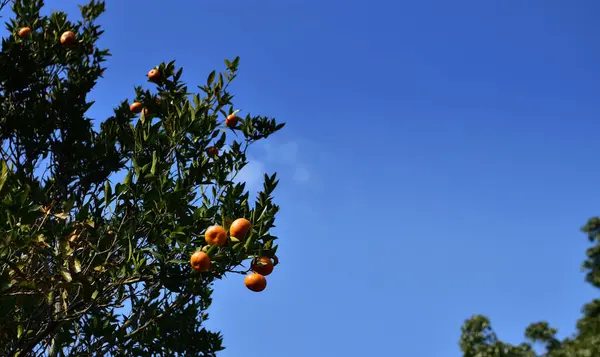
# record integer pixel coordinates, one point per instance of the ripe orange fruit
(154, 75)
(24, 32)
(255, 282)
(262, 266)
(231, 121)
(239, 228)
(215, 235)
(212, 151)
(67, 38)
(136, 107)
(146, 111)
(200, 261)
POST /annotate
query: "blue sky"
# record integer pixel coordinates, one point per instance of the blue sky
(439, 159)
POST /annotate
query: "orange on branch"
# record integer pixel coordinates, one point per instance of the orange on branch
(215, 235)
(136, 107)
(255, 282)
(67, 38)
(200, 261)
(240, 228)
(262, 266)
(24, 32)
(153, 75)
(212, 151)
(231, 121)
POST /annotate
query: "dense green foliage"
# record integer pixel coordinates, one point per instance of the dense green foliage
(479, 340)
(94, 219)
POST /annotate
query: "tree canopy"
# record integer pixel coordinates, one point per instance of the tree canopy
(99, 219)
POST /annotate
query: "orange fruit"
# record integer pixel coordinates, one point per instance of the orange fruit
(146, 111)
(255, 282)
(231, 121)
(212, 151)
(67, 38)
(200, 261)
(153, 75)
(24, 32)
(215, 235)
(239, 228)
(136, 107)
(262, 266)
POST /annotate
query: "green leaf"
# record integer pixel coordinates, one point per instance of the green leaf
(34, 208)
(107, 192)
(3, 174)
(136, 167)
(77, 265)
(130, 251)
(269, 244)
(127, 181)
(66, 275)
(178, 261)
(154, 162)
(211, 78)
(61, 215)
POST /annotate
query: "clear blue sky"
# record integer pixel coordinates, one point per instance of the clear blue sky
(439, 159)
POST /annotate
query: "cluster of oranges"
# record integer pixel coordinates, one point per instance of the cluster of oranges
(67, 38)
(231, 121)
(137, 107)
(217, 236)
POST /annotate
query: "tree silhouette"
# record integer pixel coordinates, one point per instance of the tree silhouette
(479, 340)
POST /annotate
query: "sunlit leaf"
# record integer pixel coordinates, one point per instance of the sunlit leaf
(66, 275)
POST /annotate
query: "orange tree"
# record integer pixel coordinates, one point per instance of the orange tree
(479, 340)
(99, 227)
